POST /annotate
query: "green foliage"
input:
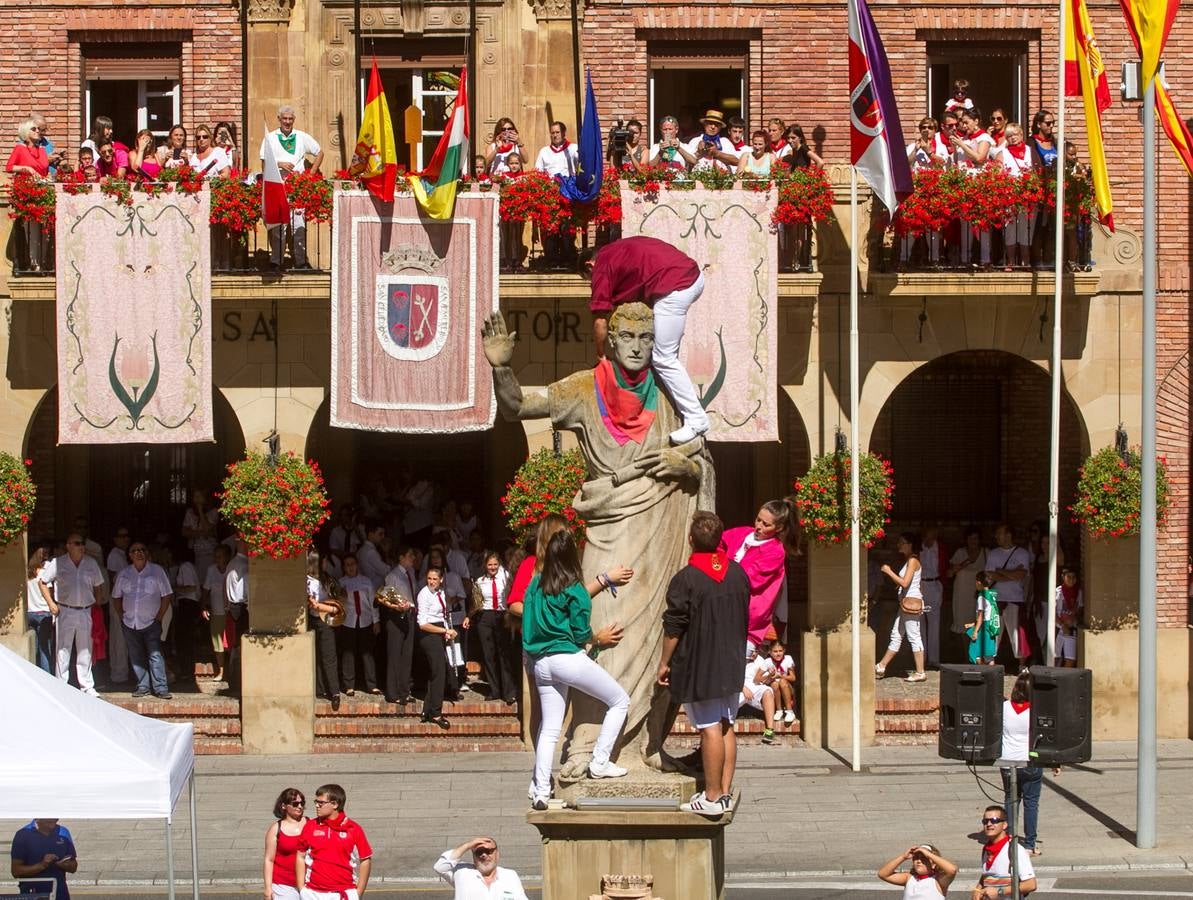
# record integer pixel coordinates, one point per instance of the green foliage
(822, 498)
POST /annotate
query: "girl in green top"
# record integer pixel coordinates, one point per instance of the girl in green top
(557, 637)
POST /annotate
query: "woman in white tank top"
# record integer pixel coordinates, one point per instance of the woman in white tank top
(929, 877)
(911, 609)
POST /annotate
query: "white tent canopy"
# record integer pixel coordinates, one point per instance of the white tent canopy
(70, 756)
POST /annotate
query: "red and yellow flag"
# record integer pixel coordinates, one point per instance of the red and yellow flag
(375, 159)
(1149, 22)
(1085, 76)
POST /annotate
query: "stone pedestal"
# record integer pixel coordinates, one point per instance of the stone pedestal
(13, 632)
(277, 658)
(277, 699)
(684, 852)
(641, 782)
(826, 682)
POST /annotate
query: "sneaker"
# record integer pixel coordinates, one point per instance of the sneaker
(91, 692)
(702, 805)
(140, 692)
(880, 670)
(608, 770)
(687, 433)
(768, 736)
(789, 716)
(539, 804)
(164, 695)
(917, 677)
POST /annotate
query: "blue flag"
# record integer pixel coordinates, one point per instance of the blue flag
(585, 185)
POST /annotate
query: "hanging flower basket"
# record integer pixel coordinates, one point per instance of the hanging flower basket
(310, 192)
(805, 195)
(275, 506)
(545, 483)
(234, 204)
(822, 498)
(17, 497)
(32, 200)
(534, 197)
(1109, 493)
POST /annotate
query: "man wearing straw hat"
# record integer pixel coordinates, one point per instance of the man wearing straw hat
(710, 148)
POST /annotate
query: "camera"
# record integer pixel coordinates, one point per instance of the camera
(619, 139)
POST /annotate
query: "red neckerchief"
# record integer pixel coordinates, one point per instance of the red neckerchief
(978, 134)
(1019, 151)
(776, 146)
(714, 565)
(561, 148)
(990, 851)
(922, 877)
(996, 133)
(1069, 596)
(1020, 706)
(738, 145)
(504, 148)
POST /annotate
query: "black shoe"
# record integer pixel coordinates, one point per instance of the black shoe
(441, 721)
(304, 266)
(164, 695)
(335, 703)
(392, 700)
(137, 694)
(539, 805)
(510, 701)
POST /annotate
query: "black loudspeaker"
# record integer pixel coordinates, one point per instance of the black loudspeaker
(1061, 715)
(970, 712)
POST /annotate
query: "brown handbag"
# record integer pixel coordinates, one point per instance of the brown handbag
(911, 606)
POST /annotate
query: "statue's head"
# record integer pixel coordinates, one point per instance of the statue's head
(631, 336)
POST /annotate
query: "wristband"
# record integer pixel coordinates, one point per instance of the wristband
(594, 652)
(608, 583)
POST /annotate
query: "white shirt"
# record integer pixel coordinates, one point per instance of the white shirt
(33, 598)
(921, 888)
(74, 586)
(217, 160)
(315, 589)
(186, 581)
(723, 144)
(555, 161)
(141, 594)
(1016, 730)
(117, 560)
(1014, 165)
(433, 607)
(360, 607)
(1000, 865)
(1009, 559)
(343, 540)
(756, 665)
(372, 566)
(655, 156)
(236, 580)
(406, 582)
(492, 589)
(213, 583)
(304, 146)
(963, 159)
(470, 885)
(786, 665)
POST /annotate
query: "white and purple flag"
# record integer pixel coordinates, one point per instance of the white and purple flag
(875, 134)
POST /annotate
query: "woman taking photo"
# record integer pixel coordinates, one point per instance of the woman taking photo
(562, 650)
(281, 845)
(506, 143)
(142, 159)
(911, 609)
(208, 160)
(762, 551)
(225, 139)
(929, 876)
(173, 152)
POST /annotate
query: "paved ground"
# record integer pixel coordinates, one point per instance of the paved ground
(805, 822)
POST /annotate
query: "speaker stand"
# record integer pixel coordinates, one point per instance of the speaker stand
(1010, 780)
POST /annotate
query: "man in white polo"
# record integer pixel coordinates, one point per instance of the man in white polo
(472, 869)
(77, 586)
(140, 598)
(1010, 566)
(291, 148)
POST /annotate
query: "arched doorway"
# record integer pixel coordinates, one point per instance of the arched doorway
(968, 437)
(473, 466)
(143, 486)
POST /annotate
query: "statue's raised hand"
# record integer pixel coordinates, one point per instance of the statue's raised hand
(498, 343)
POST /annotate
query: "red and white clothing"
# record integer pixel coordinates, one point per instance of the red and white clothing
(284, 859)
(500, 164)
(563, 160)
(1069, 603)
(404, 580)
(722, 144)
(996, 863)
(1016, 730)
(785, 666)
(917, 888)
(975, 143)
(756, 665)
(1016, 158)
(360, 605)
(334, 847)
(492, 590)
(764, 562)
(953, 103)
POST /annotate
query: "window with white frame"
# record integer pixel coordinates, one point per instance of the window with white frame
(996, 72)
(135, 85)
(688, 78)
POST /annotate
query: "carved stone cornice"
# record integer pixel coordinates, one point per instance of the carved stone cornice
(261, 11)
(555, 10)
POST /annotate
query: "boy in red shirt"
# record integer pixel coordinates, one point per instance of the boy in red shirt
(334, 856)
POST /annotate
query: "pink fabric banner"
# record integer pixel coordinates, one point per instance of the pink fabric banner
(730, 345)
(408, 295)
(134, 319)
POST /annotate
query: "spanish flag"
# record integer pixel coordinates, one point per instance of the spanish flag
(375, 159)
(1149, 22)
(435, 186)
(1085, 75)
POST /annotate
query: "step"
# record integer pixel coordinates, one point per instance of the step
(412, 726)
(444, 742)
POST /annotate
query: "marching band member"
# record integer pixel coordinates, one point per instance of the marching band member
(356, 636)
(434, 616)
(497, 646)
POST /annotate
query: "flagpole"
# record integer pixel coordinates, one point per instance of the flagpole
(855, 518)
(1057, 294)
(576, 61)
(1145, 789)
(356, 61)
(470, 86)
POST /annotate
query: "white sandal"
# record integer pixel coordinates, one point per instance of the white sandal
(915, 677)
(879, 669)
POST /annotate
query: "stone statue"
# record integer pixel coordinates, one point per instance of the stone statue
(637, 502)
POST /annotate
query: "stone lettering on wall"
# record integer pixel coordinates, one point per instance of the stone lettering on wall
(560, 328)
(236, 327)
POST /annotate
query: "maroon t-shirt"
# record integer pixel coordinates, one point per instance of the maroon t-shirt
(639, 268)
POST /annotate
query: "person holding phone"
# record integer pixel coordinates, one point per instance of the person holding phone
(42, 850)
(506, 144)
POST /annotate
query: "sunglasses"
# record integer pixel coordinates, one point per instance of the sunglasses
(484, 851)
(992, 821)
(1049, 121)
(297, 804)
(137, 550)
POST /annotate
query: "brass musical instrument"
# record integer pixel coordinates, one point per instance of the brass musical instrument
(335, 594)
(391, 598)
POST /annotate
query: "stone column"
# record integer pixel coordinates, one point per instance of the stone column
(826, 680)
(13, 633)
(277, 657)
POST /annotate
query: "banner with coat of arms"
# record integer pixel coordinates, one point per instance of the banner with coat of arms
(408, 295)
(134, 319)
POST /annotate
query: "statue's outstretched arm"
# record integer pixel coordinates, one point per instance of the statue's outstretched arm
(499, 350)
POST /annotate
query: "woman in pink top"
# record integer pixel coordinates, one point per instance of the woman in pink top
(28, 157)
(142, 159)
(762, 552)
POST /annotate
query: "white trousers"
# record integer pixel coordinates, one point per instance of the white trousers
(670, 318)
(72, 628)
(1010, 613)
(911, 625)
(117, 651)
(967, 243)
(308, 894)
(553, 675)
